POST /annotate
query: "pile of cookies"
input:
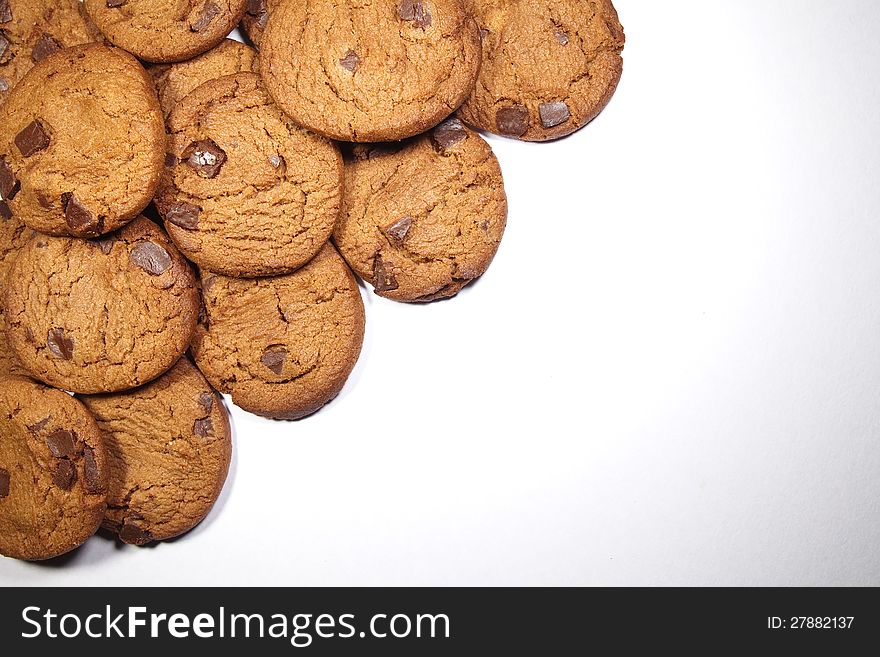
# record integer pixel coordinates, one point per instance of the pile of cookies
(182, 214)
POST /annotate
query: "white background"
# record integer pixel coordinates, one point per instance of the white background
(670, 374)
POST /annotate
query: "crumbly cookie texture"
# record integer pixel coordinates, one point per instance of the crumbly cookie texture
(100, 315)
(53, 471)
(175, 81)
(166, 30)
(370, 72)
(13, 236)
(283, 346)
(246, 192)
(549, 66)
(82, 142)
(168, 445)
(256, 15)
(422, 219)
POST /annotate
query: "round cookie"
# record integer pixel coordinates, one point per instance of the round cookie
(175, 81)
(369, 72)
(283, 346)
(256, 15)
(549, 66)
(423, 219)
(166, 30)
(82, 142)
(13, 236)
(246, 192)
(168, 445)
(103, 315)
(53, 471)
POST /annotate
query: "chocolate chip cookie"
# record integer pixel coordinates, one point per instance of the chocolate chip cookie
(423, 219)
(82, 142)
(13, 236)
(369, 71)
(166, 30)
(549, 66)
(175, 81)
(168, 445)
(53, 471)
(246, 192)
(283, 346)
(101, 315)
(256, 15)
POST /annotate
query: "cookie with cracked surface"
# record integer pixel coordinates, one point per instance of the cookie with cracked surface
(13, 236)
(175, 81)
(549, 66)
(246, 192)
(369, 72)
(256, 15)
(101, 315)
(168, 446)
(283, 346)
(422, 219)
(166, 30)
(82, 142)
(53, 471)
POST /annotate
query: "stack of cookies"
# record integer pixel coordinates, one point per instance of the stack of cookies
(182, 214)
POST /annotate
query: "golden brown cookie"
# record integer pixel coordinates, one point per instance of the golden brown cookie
(283, 346)
(369, 71)
(422, 219)
(82, 142)
(256, 15)
(103, 315)
(32, 29)
(168, 445)
(166, 30)
(175, 81)
(246, 192)
(549, 66)
(13, 236)
(53, 471)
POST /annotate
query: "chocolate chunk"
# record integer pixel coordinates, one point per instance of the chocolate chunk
(4, 483)
(206, 401)
(91, 474)
(561, 37)
(415, 11)
(4, 84)
(9, 184)
(383, 280)
(484, 34)
(279, 164)
(184, 215)
(4, 49)
(448, 134)
(36, 427)
(553, 114)
(512, 120)
(64, 474)
(44, 47)
(209, 12)
(397, 231)
(5, 11)
(79, 218)
(150, 257)
(105, 244)
(204, 427)
(274, 358)
(205, 157)
(5, 211)
(62, 443)
(350, 61)
(134, 535)
(112, 4)
(59, 344)
(32, 139)
(256, 7)
(170, 160)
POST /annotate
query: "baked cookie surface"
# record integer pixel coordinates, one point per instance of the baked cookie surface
(53, 471)
(168, 446)
(165, 30)
(549, 66)
(378, 71)
(100, 315)
(246, 192)
(283, 346)
(82, 142)
(13, 236)
(422, 219)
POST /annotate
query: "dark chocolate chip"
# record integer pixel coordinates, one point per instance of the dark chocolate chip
(59, 344)
(484, 33)
(62, 443)
(383, 280)
(4, 84)
(184, 215)
(32, 139)
(273, 358)
(256, 7)
(170, 160)
(203, 427)
(561, 37)
(512, 120)
(150, 257)
(4, 483)
(205, 157)
(397, 231)
(206, 401)
(105, 244)
(36, 427)
(5, 211)
(415, 11)
(209, 12)
(350, 61)
(91, 473)
(64, 474)
(44, 47)
(4, 50)
(552, 114)
(9, 184)
(134, 535)
(112, 4)
(448, 134)
(79, 218)
(5, 11)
